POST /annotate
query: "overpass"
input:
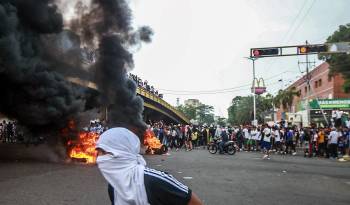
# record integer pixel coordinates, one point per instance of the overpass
(155, 108)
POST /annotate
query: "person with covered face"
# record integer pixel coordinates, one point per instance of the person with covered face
(130, 181)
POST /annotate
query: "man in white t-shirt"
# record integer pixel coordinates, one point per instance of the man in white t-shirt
(267, 142)
(333, 142)
(247, 137)
(277, 137)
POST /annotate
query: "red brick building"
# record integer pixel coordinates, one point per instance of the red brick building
(322, 86)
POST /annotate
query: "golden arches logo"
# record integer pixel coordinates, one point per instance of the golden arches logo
(258, 86)
(258, 82)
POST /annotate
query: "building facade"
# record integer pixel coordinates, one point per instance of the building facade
(192, 102)
(324, 88)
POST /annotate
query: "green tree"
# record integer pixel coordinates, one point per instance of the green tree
(241, 109)
(221, 121)
(202, 113)
(340, 63)
(285, 98)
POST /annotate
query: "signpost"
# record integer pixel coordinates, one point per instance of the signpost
(330, 104)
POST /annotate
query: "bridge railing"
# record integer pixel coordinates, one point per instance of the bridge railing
(155, 98)
(140, 91)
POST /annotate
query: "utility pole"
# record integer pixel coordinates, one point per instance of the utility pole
(253, 89)
(309, 88)
(308, 78)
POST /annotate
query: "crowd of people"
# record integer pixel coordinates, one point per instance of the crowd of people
(96, 126)
(8, 132)
(144, 84)
(278, 138)
(313, 141)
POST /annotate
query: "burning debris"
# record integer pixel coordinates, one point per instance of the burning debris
(41, 47)
(153, 145)
(83, 148)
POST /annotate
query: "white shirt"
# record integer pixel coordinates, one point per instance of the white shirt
(333, 137)
(334, 114)
(254, 134)
(246, 133)
(267, 138)
(338, 114)
(277, 136)
(267, 131)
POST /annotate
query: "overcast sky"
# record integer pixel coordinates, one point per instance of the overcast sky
(200, 45)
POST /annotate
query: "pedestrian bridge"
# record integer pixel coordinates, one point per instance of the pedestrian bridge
(155, 108)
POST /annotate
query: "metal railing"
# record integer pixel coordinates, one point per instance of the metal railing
(140, 91)
(155, 98)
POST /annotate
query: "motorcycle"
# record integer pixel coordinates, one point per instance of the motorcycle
(229, 147)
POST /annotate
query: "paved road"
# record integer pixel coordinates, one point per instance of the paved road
(218, 179)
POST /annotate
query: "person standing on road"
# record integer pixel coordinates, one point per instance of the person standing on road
(320, 141)
(267, 142)
(189, 146)
(131, 182)
(333, 142)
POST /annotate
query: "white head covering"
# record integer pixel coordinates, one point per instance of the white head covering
(124, 169)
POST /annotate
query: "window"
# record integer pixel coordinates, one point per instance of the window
(305, 89)
(316, 83)
(319, 82)
(329, 78)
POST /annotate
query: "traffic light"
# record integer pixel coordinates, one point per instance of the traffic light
(261, 52)
(307, 49)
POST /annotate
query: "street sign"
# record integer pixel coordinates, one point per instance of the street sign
(330, 104)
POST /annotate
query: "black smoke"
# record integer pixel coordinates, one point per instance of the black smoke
(112, 27)
(33, 91)
(38, 52)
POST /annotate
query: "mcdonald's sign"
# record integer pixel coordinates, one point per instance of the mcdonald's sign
(258, 86)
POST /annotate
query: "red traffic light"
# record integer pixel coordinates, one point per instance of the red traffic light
(263, 52)
(256, 53)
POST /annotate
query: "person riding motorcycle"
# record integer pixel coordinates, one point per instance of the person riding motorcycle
(224, 139)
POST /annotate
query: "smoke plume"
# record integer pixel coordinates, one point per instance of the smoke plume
(39, 49)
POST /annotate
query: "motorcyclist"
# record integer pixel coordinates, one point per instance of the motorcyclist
(224, 139)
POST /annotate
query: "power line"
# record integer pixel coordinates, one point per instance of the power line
(286, 35)
(220, 90)
(294, 20)
(302, 20)
(214, 93)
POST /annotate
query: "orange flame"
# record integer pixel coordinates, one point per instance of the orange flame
(84, 147)
(151, 140)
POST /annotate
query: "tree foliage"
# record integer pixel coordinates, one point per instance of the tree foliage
(241, 110)
(202, 113)
(340, 63)
(285, 98)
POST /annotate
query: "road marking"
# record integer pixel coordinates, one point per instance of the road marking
(187, 177)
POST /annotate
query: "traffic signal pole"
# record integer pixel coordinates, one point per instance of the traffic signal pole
(253, 89)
